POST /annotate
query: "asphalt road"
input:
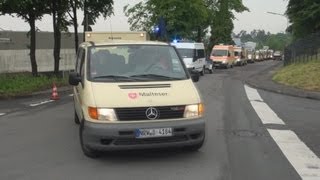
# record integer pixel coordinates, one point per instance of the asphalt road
(41, 141)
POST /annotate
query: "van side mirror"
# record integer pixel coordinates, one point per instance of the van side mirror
(195, 75)
(74, 79)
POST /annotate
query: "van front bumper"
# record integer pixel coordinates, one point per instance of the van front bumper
(121, 136)
(219, 64)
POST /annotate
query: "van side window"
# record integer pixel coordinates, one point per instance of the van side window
(82, 58)
(200, 53)
(78, 60)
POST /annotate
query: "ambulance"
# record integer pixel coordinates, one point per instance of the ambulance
(222, 56)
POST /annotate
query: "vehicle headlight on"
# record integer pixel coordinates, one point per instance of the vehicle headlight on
(195, 110)
(102, 114)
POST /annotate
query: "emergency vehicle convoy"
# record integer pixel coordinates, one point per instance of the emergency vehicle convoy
(135, 94)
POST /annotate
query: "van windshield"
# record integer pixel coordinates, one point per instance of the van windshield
(218, 52)
(186, 53)
(237, 53)
(135, 63)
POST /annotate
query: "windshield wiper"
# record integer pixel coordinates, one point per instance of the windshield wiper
(114, 77)
(155, 76)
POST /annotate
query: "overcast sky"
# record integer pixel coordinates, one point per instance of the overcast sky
(257, 18)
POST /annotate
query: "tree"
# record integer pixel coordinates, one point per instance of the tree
(95, 8)
(92, 10)
(186, 19)
(222, 16)
(304, 16)
(74, 5)
(58, 10)
(275, 41)
(30, 11)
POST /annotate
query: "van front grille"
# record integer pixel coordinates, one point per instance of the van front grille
(140, 113)
(144, 86)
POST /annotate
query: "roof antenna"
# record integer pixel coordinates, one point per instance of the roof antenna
(111, 30)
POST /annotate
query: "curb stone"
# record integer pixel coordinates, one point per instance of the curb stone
(263, 81)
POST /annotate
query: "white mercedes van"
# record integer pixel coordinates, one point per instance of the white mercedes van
(193, 55)
(135, 95)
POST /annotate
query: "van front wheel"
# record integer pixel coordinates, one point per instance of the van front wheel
(86, 150)
(202, 72)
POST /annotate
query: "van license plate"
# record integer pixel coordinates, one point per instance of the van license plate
(149, 133)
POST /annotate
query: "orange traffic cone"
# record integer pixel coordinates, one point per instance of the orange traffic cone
(54, 95)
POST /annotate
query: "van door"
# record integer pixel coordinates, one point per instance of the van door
(78, 90)
(201, 59)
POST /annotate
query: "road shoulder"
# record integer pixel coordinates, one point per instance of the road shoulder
(263, 80)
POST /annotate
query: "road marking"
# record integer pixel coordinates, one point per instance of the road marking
(41, 103)
(71, 95)
(2, 114)
(304, 161)
(264, 112)
(252, 94)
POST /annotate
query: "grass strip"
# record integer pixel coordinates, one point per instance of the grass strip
(300, 75)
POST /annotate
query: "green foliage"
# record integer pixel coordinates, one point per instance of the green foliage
(96, 8)
(275, 41)
(183, 18)
(304, 16)
(221, 20)
(278, 41)
(26, 9)
(300, 75)
(22, 84)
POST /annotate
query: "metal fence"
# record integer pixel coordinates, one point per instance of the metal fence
(303, 50)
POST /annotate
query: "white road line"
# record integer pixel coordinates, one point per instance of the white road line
(40, 103)
(252, 94)
(70, 95)
(2, 114)
(264, 112)
(305, 162)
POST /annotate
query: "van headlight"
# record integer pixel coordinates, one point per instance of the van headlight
(102, 114)
(194, 110)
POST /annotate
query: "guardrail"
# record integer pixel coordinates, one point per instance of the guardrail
(303, 50)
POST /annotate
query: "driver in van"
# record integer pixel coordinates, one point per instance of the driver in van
(163, 62)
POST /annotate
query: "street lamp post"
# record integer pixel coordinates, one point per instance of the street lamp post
(283, 15)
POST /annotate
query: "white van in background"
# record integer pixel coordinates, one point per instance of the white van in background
(193, 55)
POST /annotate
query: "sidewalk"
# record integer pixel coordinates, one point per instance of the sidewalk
(263, 81)
(61, 90)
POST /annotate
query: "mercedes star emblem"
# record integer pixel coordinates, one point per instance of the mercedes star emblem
(152, 113)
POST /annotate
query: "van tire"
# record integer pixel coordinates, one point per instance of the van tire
(76, 118)
(91, 153)
(202, 72)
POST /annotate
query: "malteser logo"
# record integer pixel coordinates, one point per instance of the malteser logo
(146, 94)
(133, 95)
